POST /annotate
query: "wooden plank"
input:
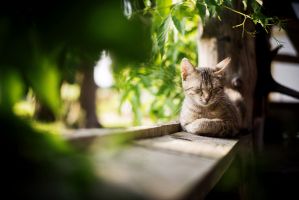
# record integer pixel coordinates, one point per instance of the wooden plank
(193, 144)
(153, 174)
(174, 166)
(82, 138)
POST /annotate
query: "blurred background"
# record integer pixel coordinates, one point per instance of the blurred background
(110, 64)
(96, 64)
(83, 64)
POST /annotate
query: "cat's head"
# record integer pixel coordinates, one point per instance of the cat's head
(203, 85)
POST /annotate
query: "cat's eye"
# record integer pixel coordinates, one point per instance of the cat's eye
(199, 91)
(190, 88)
(192, 92)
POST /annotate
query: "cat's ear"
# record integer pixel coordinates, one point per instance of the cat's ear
(186, 67)
(220, 67)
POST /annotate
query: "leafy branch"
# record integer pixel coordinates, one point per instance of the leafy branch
(244, 20)
(256, 18)
(174, 32)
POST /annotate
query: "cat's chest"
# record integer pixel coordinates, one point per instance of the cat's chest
(205, 112)
(209, 113)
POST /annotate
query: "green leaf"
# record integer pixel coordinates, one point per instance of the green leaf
(147, 3)
(45, 81)
(212, 2)
(163, 6)
(201, 8)
(178, 24)
(244, 2)
(212, 10)
(255, 6)
(11, 89)
(163, 32)
(259, 2)
(136, 105)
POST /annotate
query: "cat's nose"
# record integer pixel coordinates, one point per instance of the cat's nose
(206, 96)
(206, 99)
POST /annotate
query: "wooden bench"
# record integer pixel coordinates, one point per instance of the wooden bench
(161, 162)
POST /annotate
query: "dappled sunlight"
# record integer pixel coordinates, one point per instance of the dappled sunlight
(112, 114)
(24, 109)
(108, 109)
(102, 71)
(69, 92)
(55, 128)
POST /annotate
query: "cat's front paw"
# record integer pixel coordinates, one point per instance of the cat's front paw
(204, 126)
(198, 126)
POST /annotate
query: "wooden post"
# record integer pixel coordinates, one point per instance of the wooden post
(217, 40)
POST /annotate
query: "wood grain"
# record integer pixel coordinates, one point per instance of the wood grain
(191, 144)
(82, 138)
(175, 166)
(160, 163)
(154, 174)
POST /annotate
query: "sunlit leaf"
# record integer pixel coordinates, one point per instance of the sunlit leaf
(163, 7)
(147, 3)
(135, 100)
(163, 32)
(45, 81)
(244, 2)
(178, 25)
(259, 2)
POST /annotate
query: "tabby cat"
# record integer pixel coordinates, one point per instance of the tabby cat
(207, 108)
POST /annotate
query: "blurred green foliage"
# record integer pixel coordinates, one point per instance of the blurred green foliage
(41, 40)
(173, 33)
(37, 165)
(41, 44)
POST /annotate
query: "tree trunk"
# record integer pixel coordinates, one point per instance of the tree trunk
(219, 40)
(88, 98)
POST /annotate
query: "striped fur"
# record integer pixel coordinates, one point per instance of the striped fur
(207, 108)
